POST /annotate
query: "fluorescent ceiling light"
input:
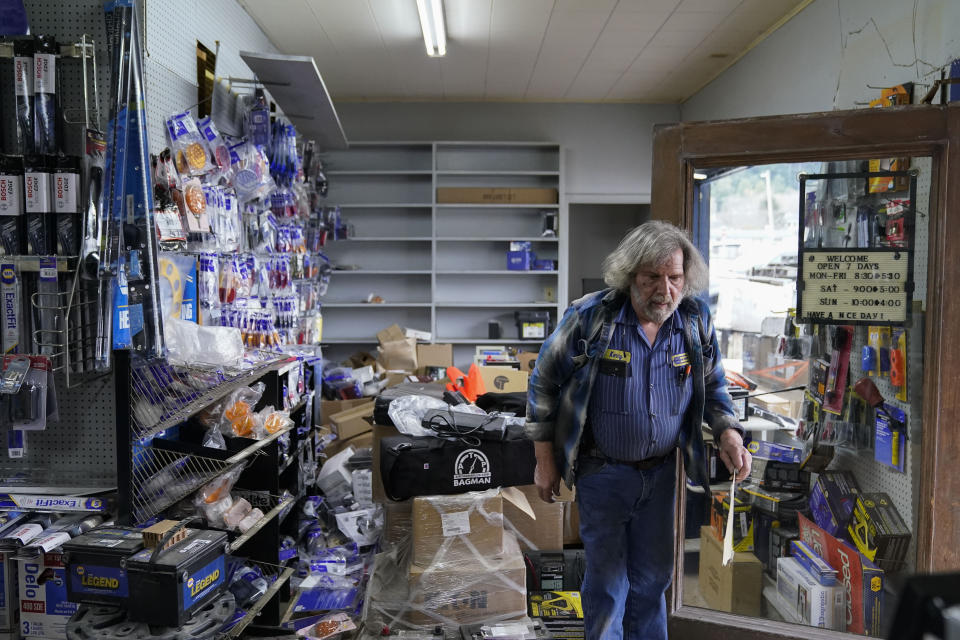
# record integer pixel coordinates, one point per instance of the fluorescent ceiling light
(431, 23)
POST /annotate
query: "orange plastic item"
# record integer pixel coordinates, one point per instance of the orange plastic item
(473, 386)
(273, 423)
(244, 426)
(897, 368)
(456, 377)
(237, 410)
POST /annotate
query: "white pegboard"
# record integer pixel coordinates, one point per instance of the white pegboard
(173, 28)
(872, 476)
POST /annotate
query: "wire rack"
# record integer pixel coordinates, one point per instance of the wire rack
(277, 576)
(163, 395)
(160, 478)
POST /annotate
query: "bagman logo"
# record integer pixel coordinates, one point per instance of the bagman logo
(471, 467)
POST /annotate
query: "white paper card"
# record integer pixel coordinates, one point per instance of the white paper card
(455, 524)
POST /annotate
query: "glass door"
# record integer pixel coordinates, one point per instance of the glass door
(824, 268)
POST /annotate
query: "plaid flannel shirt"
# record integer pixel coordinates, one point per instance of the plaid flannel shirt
(560, 385)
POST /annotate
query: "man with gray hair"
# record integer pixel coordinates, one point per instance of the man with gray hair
(626, 379)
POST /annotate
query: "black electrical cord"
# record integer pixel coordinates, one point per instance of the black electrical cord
(448, 428)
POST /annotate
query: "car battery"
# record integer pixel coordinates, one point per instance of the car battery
(171, 584)
(533, 324)
(96, 565)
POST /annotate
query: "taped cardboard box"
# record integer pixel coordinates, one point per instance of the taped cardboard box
(504, 379)
(435, 355)
(457, 526)
(496, 195)
(331, 407)
(482, 589)
(735, 588)
(353, 421)
(545, 531)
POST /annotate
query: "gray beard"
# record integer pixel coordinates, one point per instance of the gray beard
(652, 313)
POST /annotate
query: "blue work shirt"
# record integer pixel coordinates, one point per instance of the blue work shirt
(637, 407)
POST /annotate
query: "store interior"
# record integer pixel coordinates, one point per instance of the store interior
(275, 279)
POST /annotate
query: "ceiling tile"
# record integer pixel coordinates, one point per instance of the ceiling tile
(592, 85)
(699, 21)
(714, 6)
(623, 19)
(678, 39)
(598, 6)
(466, 21)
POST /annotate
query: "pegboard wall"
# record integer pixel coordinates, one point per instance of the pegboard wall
(68, 21)
(872, 476)
(173, 28)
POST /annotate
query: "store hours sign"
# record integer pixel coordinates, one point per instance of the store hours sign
(844, 286)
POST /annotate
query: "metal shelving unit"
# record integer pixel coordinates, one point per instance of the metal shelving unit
(386, 187)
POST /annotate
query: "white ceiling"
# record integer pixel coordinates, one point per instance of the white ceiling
(654, 51)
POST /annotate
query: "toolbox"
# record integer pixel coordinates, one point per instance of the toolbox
(532, 324)
(95, 562)
(171, 584)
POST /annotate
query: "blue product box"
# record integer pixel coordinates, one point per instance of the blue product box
(519, 260)
(542, 265)
(816, 566)
(832, 500)
(890, 437)
(767, 450)
(521, 245)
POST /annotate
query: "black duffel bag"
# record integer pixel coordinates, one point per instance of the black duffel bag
(437, 466)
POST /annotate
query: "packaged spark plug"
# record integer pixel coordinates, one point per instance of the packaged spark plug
(218, 148)
(23, 89)
(45, 91)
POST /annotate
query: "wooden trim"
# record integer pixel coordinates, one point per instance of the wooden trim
(911, 130)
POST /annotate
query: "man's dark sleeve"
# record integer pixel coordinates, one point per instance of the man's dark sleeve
(718, 408)
(554, 366)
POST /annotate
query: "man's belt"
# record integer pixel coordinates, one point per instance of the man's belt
(640, 465)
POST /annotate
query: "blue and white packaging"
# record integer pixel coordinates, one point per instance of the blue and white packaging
(813, 603)
(816, 566)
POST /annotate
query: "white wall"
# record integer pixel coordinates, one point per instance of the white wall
(831, 54)
(608, 146)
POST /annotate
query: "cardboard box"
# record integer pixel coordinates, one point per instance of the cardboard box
(398, 355)
(742, 520)
(545, 532)
(442, 526)
(9, 600)
(397, 520)
(504, 379)
(435, 355)
(879, 532)
(359, 441)
(832, 500)
(813, 603)
(735, 588)
(469, 592)
(527, 361)
(391, 334)
(495, 195)
(862, 580)
(44, 608)
(352, 422)
(330, 407)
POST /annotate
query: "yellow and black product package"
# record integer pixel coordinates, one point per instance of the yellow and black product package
(742, 520)
(555, 604)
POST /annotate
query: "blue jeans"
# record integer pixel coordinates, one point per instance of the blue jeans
(627, 528)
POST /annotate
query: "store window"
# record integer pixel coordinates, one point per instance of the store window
(829, 385)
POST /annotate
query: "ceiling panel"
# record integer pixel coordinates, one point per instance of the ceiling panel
(577, 50)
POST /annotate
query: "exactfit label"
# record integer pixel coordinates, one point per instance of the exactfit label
(203, 582)
(102, 581)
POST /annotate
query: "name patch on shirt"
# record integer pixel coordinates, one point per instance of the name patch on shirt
(680, 360)
(617, 354)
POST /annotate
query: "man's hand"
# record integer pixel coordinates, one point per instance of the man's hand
(546, 476)
(732, 453)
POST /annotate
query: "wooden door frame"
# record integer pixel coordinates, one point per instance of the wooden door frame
(868, 133)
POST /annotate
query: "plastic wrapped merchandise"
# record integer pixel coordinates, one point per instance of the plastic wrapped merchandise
(487, 589)
(406, 412)
(459, 527)
(248, 585)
